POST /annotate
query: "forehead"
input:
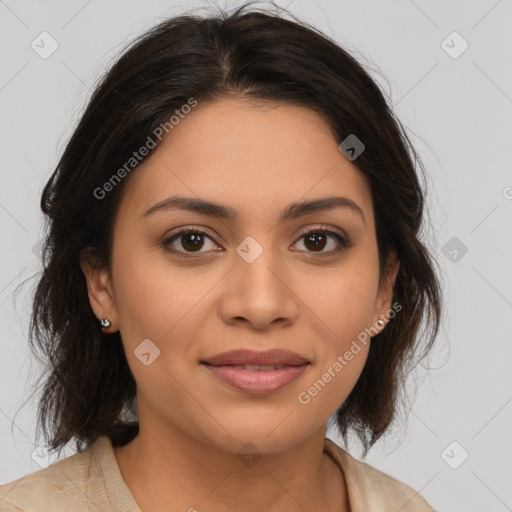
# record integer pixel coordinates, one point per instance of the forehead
(247, 154)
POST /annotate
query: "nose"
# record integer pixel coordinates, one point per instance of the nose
(259, 294)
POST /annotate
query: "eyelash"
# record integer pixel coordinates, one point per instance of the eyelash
(343, 241)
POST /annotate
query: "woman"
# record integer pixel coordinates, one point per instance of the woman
(233, 250)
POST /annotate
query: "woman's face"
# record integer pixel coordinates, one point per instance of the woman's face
(254, 280)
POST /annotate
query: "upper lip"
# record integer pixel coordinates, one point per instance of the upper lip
(267, 357)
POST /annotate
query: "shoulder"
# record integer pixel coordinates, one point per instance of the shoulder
(53, 488)
(372, 490)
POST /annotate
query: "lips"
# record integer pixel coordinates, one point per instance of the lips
(274, 357)
(257, 372)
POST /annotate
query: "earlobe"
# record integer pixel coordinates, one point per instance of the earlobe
(99, 290)
(385, 293)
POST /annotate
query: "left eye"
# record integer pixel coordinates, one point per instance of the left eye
(318, 239)
(315, 241)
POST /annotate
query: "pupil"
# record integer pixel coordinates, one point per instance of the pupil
(318, 240)
(195, 240)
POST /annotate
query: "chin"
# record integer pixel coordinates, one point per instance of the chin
(253, 434)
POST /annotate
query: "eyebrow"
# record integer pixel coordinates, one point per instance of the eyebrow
(290, 212)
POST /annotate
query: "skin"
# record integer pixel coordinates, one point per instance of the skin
(256, 158)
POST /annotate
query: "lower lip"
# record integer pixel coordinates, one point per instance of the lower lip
(257, 382)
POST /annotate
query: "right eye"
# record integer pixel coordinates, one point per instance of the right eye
(190, 240)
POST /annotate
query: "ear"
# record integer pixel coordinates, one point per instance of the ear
(385, 293)
(99, 289)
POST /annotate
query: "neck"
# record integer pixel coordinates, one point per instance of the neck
(165, 465)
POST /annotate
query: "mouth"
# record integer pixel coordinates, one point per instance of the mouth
(257, 372)
(272, 357)
(253, 367)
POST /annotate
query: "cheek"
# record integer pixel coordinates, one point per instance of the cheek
(344, 302)
(342, 354)
(331, 381)
(154, 299)
(161, 315)
(343, 299)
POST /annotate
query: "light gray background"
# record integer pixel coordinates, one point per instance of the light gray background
(458, 112)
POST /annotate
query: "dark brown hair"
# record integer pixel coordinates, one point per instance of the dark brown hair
(255, 55)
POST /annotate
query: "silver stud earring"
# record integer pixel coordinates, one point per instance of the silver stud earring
(105, 323)
(380, 323)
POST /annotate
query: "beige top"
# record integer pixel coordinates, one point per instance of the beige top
(91, 481)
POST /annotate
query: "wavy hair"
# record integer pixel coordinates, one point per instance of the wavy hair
(258, 55)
